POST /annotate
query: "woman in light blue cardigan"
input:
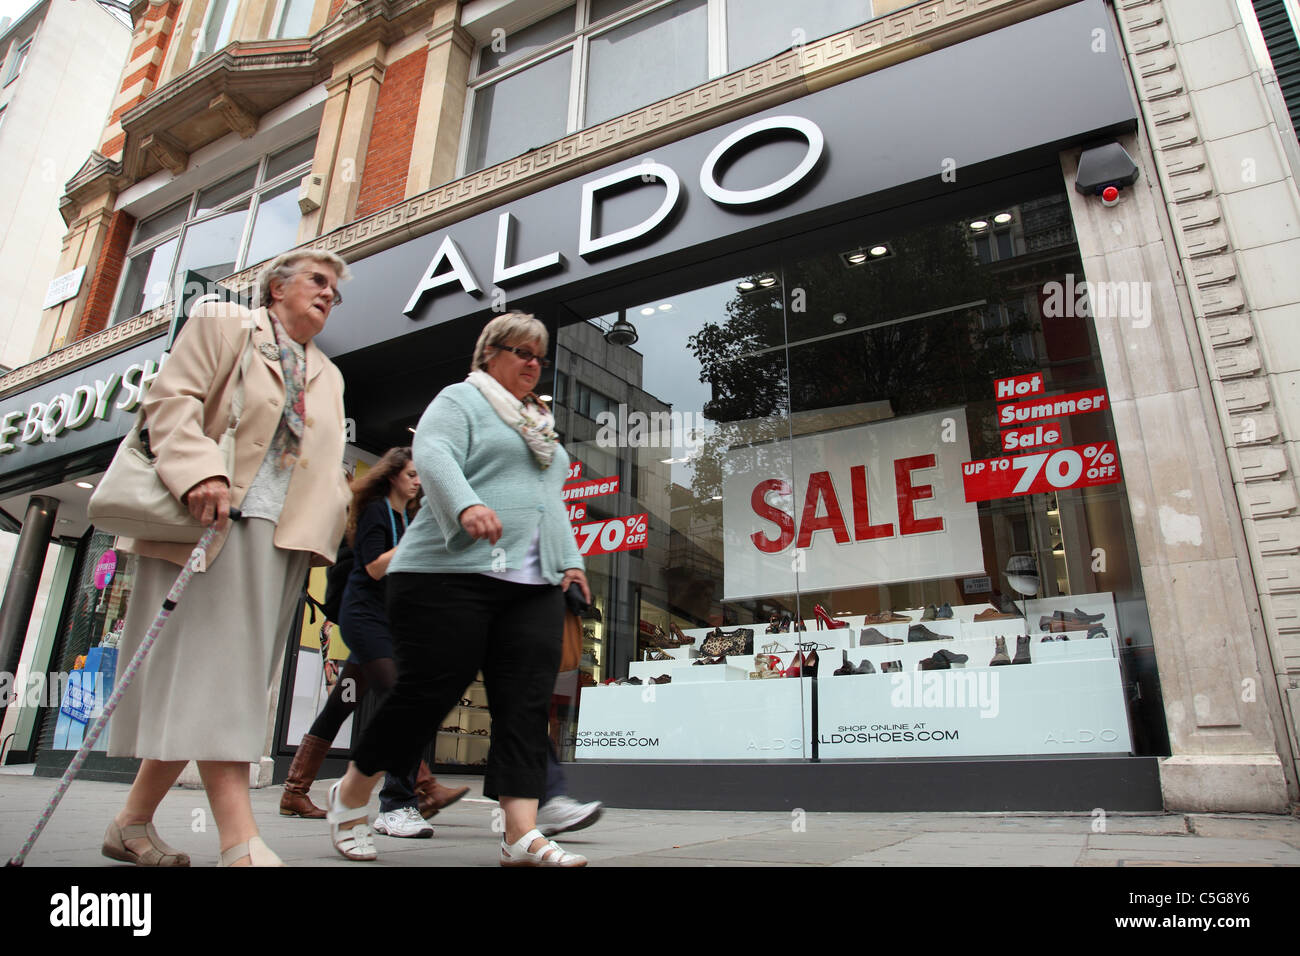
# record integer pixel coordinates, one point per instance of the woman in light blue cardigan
(477, 584)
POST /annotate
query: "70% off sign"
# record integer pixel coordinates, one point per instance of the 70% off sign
(613, 534)
(1079, 467)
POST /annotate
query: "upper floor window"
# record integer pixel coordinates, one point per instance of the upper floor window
(234, 223)
(218, 24)
(599, 59)
(293, 18)
(18, 61)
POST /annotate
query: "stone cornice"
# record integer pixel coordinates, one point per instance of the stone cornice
(98, 175)
(87, 350)
(372, 21)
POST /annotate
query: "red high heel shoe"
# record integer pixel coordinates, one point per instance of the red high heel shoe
(824, 618)
(795, 663)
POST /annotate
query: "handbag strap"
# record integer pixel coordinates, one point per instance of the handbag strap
(237, 400)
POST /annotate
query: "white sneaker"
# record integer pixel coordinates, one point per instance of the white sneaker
(405, 822)
(562, 814)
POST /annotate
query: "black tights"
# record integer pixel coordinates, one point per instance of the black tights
(353, 684)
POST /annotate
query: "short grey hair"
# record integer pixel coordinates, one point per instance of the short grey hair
(284, 266)
(512, 325)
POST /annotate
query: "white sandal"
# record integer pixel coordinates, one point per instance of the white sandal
(552, 854)
(257, 852)
(358, 841)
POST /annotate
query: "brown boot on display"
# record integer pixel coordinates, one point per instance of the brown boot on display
(1022, 650)
(294, 802)
(432, 795)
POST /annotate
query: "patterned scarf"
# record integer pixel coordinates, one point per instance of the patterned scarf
(530, 417)
(293, 362)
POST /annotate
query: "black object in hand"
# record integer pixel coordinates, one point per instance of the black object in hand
(573, 598)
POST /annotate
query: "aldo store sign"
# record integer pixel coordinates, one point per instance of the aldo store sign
(714, 193)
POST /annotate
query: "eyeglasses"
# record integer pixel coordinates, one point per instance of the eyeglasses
(524, 354)
(322, 282)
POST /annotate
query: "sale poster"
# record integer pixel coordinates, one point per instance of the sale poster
(867, 504)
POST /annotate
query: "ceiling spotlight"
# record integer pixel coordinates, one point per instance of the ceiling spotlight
(767, 281)
(716, 498)
(622, 332)
(546, 398)
(857, 258)
(839, 318)
(1002, 217)
(648, 310)
(979, 224)
(878, 251)
(665, 307)
(410, 429)
(84, 484)
(745, 285)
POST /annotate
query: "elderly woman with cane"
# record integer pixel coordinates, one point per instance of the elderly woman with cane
(477, 584)
(203, 695)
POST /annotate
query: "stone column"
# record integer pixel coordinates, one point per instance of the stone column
(442, 104)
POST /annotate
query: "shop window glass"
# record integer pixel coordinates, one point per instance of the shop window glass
(214, 196)
(521, 112)
(759, 29)
(95, 617)
(288, 159)
(211, 247)
(218, 23)
(830, 416)
(146, 282)
(651, 57)
(600, 9)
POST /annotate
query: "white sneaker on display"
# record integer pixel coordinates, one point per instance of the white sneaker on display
(405, 822)
(564, 814)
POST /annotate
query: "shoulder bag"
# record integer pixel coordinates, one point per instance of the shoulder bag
(131, 500)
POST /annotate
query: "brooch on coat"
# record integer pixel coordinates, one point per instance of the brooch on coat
(270, 350)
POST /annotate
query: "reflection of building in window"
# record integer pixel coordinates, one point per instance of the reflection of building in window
(242, 220)
(18, 61)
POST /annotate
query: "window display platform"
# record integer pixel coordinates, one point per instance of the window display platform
(994, 784)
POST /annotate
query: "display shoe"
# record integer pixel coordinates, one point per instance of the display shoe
(774, 626)
(434, 796)
(810, 663)
(885, 617)
(799, 626)
(866, 667)
(775, 647)
(845, 668)
(254, 850)
(992, 614)
(949, 657)
(1000, 655)
(661, 679)
(824, 618)
(1022, 650)
(1095, 631)
(929, 613)
(919, 632)
(564, 814)
(157, 853)
(677, 633)
(870, 636)
(931, 664)
(1090, 618)
(706, 660)
(762, 664)
(1064, 621)
(795, 667)
(943, 613)
(294, 801)
(655, 654)
(405, 822)
(891, 667)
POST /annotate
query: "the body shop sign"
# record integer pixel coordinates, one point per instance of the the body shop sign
(60, 416)
(872, 503)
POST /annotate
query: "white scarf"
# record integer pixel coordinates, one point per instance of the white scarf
(531, 418)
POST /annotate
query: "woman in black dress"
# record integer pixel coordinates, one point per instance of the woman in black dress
(384, 499)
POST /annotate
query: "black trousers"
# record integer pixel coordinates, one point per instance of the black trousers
(448, 627)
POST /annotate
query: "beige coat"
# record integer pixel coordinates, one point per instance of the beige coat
(187, 409)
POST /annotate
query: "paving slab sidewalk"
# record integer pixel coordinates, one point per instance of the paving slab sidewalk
(656, 838)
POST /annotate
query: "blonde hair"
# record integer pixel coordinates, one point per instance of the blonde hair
(284, 266)
(512, 325)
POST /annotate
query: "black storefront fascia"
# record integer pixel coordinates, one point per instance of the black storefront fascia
(899, 145)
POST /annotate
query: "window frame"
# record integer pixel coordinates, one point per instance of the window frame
(252, 198)
(22, 50)
(578, 41)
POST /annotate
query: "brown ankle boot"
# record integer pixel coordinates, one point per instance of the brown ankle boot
(432, 795)
(294, 802)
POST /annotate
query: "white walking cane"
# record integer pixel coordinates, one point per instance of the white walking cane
(136, 662)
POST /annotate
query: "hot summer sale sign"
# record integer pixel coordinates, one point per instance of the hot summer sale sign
(856, 506)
